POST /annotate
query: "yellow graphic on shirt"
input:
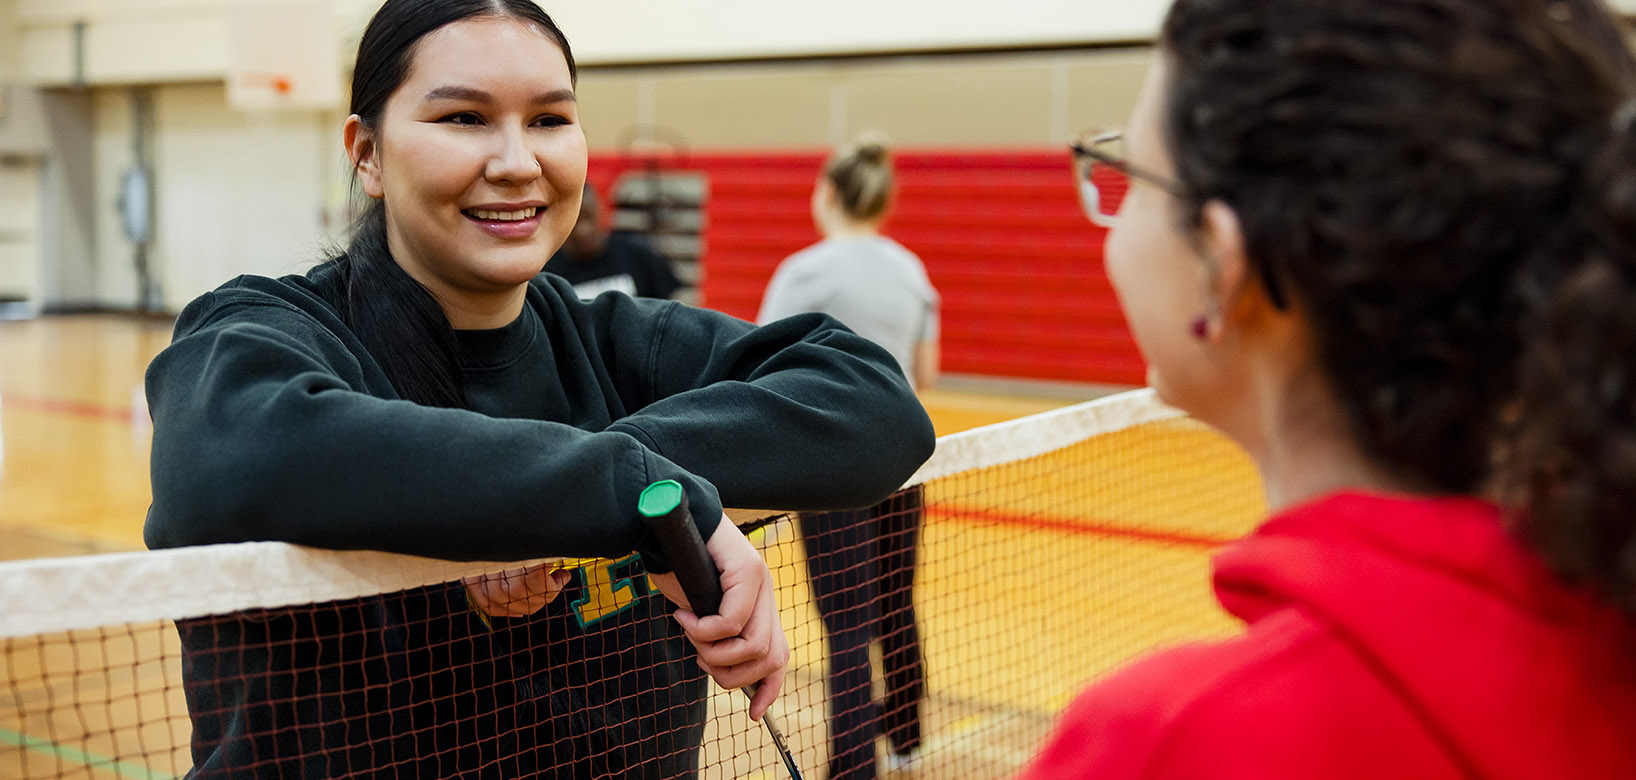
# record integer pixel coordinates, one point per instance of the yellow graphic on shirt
(608, 590)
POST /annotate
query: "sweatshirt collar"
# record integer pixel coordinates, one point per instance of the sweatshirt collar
(499, 347)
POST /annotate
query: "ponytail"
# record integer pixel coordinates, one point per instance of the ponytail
(399, 321)
(1567, 461)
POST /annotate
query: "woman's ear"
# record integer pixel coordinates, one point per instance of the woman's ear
(362, 151)
(823, 205)
(823, 193)
(1232, 285)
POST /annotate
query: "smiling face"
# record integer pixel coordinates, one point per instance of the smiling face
(480, 160)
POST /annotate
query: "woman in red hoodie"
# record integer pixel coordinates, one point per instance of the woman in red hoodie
(1389, 247)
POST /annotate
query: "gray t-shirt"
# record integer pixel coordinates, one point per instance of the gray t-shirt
(870, 283)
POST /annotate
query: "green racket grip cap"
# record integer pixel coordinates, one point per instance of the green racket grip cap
(661, 498)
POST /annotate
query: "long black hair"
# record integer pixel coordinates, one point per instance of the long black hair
(1447, 188)
(395, 317)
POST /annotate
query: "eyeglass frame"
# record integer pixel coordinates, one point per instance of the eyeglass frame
(1090, 196)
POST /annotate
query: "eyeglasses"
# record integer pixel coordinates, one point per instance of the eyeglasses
(1102, 154)
(1096, 156)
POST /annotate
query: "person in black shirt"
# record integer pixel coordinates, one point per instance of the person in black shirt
(430, 392)
(595, 260)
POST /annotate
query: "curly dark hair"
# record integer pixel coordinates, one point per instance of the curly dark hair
(1446, 189)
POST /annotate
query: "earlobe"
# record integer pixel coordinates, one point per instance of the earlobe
(362, 151)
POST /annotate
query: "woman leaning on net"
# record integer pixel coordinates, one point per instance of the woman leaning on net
(424, 393)
(1389, 247)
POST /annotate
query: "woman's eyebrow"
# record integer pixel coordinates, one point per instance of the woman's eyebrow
(479, 96)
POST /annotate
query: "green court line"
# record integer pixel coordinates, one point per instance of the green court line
(92, 760)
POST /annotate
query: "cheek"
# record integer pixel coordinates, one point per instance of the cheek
(425, 166)
(1155, 276)
(1119, 259)
(564, 158)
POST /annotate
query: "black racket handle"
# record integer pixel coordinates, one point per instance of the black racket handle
(663, 507)
(664, 510)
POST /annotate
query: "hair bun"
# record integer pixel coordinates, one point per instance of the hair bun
(871, 147)
(861, 173)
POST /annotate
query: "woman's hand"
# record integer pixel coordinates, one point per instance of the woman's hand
(745, 642)
(516, 592)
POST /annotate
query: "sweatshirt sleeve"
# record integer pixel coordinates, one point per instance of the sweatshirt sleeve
(801, 414)
(264, 429)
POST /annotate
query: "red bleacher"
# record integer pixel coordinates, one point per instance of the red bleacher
(1001, 233)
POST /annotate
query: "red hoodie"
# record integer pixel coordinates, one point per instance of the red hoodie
(1386, 637)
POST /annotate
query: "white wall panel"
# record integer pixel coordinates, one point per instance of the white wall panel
(20, 229)
(181, 39)
(132, 41)
(235, 193)
(113, 267)
(658, 30)
(129, 51)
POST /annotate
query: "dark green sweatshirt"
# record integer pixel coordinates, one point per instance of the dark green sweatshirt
(271, 422)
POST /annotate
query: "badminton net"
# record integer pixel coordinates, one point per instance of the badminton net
(938, 633)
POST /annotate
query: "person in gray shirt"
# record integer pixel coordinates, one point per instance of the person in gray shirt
(867, 281)
(861, 563)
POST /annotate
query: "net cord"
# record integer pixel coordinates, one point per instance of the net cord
(1036, 435)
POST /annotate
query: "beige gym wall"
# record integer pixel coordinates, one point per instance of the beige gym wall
(11, 40)
(988, 100)
(265, 193)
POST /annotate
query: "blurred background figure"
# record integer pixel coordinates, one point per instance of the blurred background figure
(595, 260)
(855, 274)
(861, 563)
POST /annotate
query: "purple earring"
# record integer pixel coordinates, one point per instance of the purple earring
(1200, 328)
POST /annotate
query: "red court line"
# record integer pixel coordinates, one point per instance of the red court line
(1086, 527)
(71, 408)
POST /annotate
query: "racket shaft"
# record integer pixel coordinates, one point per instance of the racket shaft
(777, 736)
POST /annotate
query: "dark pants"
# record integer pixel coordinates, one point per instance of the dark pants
(861, 565)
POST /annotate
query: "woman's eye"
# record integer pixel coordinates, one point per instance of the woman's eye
(551, 120)
(463, 118)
